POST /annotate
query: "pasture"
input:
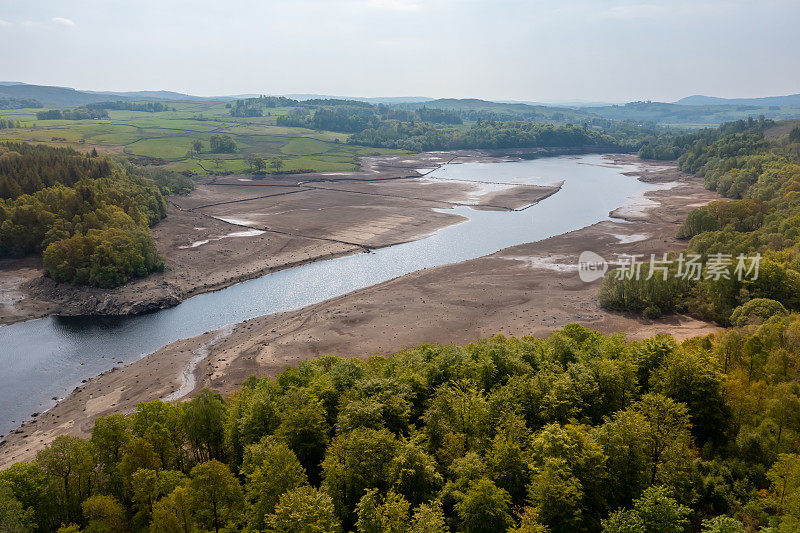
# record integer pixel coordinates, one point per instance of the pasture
(166, 138)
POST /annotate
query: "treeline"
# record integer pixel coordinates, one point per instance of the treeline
(343, 118)
(425, 128)
(6, 123)
(18, 103)
(78, 113)
(761, 176)
(484, 134)
(148, 107)
(87, 216)
(254, 107)
(352, 116)
(578, 432)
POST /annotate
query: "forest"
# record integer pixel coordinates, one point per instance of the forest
(88, 216)
(421, 136)
(148, 107)
(575, 432)
(18, 103)
(78, 113)
(760, 178)
(430, 128)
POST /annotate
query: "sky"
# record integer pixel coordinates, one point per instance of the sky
(536, 50)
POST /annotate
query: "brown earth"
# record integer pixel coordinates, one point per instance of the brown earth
(272, 223)
(529, 289)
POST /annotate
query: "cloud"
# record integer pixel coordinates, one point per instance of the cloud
(4, 23)
(64, 22)
(394, 5)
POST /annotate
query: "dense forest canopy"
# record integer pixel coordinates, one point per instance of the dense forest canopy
(87, 216)
(576, 432)
(761, 177)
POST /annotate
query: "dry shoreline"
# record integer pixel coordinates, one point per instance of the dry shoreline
(529, 289)
(289, 221)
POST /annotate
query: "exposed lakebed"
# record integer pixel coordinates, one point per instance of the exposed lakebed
(46, 358)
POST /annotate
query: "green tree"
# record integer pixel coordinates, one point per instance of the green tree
(222, 144)
(484, 508)
(14, 518)
(173, 514)
(278, 472)
(149, 486)
(568, 478)
(624, 521)
(382, 515)
(70, 464)
(161, 424)
(722, 524)
(30, 485)
(304, 429)
(110, 436)
(103, 514)
(509, 467)
(667, 432)
(655, 512)
(276, 164)
(529, 522)
(413, 473)
(357, 461)
(215, 495)
(693, 377)
(204, 419)
(429, 518)
(303, 510)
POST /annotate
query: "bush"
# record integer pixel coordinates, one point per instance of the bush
(757, 311)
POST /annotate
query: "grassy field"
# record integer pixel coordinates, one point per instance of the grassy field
(166, 138)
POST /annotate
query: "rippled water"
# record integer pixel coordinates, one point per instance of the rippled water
(46, 358)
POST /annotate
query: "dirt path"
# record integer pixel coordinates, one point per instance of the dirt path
(529, 289)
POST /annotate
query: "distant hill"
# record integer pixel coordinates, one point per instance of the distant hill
(500, 110)
(53, 96)
(692, 115)
(66, 96)
(49, 95)
(699, 100)
(150, 95)
(371, 100)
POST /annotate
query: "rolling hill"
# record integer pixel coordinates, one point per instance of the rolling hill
(701, 100)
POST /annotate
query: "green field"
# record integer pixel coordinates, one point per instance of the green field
(166, 138)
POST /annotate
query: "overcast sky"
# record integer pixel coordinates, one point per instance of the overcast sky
(555, 50)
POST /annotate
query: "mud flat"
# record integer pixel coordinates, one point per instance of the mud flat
(529, 289)
(235, 228)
